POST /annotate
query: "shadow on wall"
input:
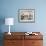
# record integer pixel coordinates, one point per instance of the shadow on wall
(2, 21)
(1, 39)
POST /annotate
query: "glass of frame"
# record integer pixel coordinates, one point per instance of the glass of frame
(26, 15)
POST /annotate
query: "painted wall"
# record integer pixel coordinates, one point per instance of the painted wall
(9, 8)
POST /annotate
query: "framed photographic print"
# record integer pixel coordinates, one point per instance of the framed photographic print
(26, 15)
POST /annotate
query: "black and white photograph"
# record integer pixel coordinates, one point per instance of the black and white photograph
(26, 15)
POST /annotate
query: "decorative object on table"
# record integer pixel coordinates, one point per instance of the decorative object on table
(30, 33)
(26, 15)
(9, 21)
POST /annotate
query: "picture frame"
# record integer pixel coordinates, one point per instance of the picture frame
(26, 15)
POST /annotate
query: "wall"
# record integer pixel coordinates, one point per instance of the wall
(9, 8)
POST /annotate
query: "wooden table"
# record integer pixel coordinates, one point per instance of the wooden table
(20, 39)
